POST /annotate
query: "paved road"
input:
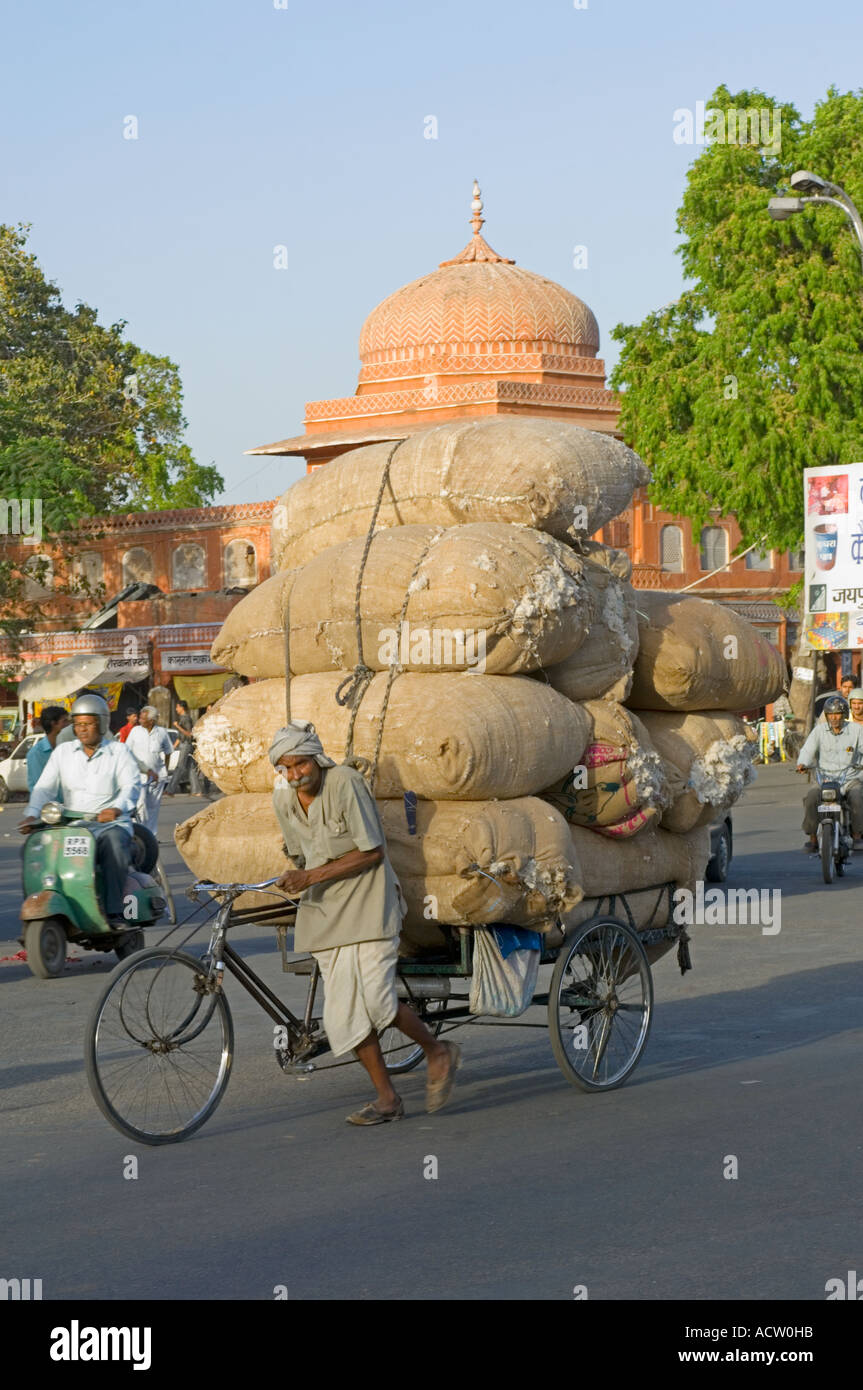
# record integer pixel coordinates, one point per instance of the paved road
(755, 1054)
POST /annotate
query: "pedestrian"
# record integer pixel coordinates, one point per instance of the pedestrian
(350, 915)
(150, 746)
(131, 721)
(186, 757)
(53, 719)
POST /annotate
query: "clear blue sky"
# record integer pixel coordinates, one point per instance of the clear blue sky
(304, 126)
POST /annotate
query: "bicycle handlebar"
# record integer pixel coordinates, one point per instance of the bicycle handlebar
(235, 889)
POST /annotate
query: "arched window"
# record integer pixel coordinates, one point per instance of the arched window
(137, 566)
(88, 569)
(671, 549)
(241, 565)
(189, 567)
(38, 576)
(714, 547)
(759, 560)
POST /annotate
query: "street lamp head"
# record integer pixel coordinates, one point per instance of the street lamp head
(782, 208)
(804, 182)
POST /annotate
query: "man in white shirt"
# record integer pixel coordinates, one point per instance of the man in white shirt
(151, 747)
(97, 775)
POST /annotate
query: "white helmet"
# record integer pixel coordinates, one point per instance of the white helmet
(93, 704)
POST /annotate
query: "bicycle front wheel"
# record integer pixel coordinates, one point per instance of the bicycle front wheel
(158, 1049)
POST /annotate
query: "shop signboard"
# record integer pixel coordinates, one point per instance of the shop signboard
(833, 571)
(184, 663)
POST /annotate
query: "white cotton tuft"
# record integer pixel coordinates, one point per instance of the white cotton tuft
(721, 774)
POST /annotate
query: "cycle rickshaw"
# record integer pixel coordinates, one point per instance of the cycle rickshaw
(160, 1039)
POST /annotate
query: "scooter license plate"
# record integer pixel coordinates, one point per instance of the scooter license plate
(76, 847)
(829, 806)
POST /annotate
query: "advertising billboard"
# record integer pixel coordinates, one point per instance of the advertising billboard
(833, 572)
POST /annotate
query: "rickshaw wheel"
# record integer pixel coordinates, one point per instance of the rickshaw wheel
(392, 1040)
(45, 944)
(158, 1052)
(600, 1004)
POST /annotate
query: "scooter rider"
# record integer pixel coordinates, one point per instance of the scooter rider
(833, 747)
(97, 775)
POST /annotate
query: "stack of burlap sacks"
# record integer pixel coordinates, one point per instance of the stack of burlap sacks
(501, 643)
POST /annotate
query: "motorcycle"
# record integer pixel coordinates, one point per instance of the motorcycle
(61, 892)
(835, 841)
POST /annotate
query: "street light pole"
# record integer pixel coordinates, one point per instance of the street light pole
(817, 190)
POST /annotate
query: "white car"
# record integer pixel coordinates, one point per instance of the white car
(13, 770)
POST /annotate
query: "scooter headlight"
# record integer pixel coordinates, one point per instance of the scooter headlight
(829, 794)
(52, 813)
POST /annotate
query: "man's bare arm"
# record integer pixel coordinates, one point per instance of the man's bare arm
(356, 861)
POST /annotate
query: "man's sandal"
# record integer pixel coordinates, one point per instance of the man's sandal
(438, 1092)
(370, 1115)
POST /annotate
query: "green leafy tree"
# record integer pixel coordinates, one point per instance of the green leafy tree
(89, 424)
(755, 372)
(115, 409)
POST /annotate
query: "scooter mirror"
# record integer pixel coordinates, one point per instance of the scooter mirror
(52, 812)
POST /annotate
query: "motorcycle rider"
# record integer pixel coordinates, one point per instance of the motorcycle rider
(97, 775)
(833, 747)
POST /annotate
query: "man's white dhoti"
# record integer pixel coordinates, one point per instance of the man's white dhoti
(359, 991)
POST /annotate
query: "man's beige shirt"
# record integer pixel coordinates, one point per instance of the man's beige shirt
(342, 817)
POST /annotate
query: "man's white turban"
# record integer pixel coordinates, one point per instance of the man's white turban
(298, 740)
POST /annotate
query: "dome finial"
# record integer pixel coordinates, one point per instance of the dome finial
(477, 248)
(476, 208)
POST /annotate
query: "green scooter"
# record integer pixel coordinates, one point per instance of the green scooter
(61, 892)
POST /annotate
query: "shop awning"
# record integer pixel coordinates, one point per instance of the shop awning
(57, 679)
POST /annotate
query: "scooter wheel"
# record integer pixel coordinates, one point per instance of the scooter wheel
(45, 944)
(145, 849)
(130, 943)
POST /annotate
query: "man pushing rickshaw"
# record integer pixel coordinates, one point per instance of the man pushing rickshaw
(350, 915)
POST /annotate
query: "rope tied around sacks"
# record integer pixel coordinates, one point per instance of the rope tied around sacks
(352, 689)
(358, 684)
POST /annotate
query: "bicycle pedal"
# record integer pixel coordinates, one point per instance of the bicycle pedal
(291, 1066)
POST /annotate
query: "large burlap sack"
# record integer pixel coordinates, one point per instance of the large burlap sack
(695, 655)
(622, 783)
(475, 863)
(622, 866)
(601, 667)
(606, 555)
(712, 756)
(485, 597)
(251, 640)
(637, 868)
(550, 474)
(236, 839)
(468, 864)
(446, 737)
